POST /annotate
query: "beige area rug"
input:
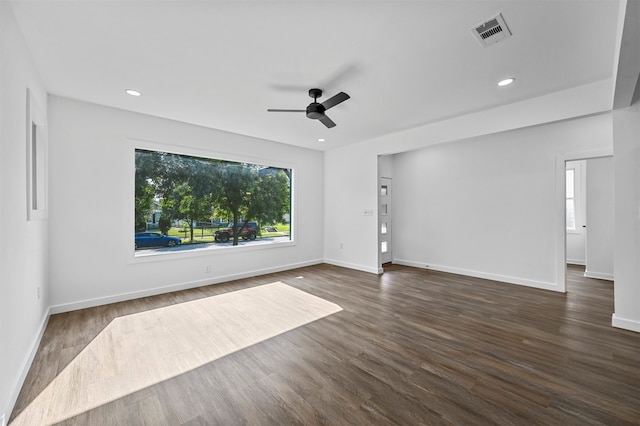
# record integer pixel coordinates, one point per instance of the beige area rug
(137, 351)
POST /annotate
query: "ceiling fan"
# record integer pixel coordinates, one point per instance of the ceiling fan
(316, 110)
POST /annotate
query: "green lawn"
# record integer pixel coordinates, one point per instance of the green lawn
(206, 235)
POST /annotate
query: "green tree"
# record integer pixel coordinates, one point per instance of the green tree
(147, 165)
(143, 206)
(164, 224)
(193, 209)
(191, 199)
(271, 197)
(237, 182)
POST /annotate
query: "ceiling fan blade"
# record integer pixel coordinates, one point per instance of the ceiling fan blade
(327, 121)
(335, 100)
(286, 110)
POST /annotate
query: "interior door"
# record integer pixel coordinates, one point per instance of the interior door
(384, 221)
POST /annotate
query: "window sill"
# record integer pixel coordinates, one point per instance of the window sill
(213, 249)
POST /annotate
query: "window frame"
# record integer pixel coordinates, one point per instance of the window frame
(128, 237)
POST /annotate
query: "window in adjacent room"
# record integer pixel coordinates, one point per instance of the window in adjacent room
(570, 200)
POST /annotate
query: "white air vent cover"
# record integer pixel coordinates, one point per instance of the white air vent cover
(491, 31)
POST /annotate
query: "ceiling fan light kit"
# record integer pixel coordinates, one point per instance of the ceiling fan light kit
(315, 110)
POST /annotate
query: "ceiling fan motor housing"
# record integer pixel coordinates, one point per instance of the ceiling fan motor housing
(315, 110)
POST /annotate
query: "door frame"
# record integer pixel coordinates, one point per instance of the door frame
(561, 231)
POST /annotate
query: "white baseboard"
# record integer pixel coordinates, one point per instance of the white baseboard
(627, 324)
(480, 274)
(576, 262)
(24, 369)
(598, 275)
(363, 268)
(89, 303)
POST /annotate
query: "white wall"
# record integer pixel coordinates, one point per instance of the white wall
(351, 172)
(525, 159)
(91, 208)
(600, 218)
(23, 255)
(351, 187)
(626, 145)
(576, 241)
(486, 206)
(385, 166)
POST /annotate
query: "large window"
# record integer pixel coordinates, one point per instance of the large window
(185, 202)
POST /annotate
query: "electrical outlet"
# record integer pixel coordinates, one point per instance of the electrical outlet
(207, 269)
(341, 246)
(38, 292)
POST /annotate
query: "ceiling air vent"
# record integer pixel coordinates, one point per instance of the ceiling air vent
(491, 31)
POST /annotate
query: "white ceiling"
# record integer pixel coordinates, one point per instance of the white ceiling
(221, 64)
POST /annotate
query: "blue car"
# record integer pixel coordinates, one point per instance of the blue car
(155, 239)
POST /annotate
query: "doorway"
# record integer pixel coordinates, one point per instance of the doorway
(385, 220)
(561, 197)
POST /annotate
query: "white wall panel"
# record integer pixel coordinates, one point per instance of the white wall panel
(626, 147)
(23, 252)
(600, 218)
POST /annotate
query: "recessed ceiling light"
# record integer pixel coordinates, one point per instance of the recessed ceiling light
(133, 92)
(321, 140)
(506, 81)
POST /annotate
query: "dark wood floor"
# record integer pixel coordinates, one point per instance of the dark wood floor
(410, 347)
